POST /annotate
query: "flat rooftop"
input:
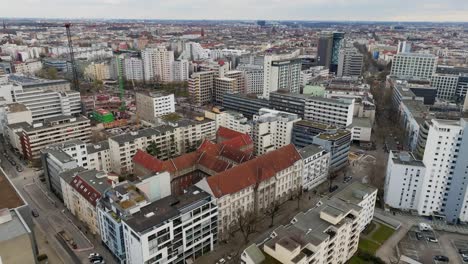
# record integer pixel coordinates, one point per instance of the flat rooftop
(310, 150)
(354, 193)
(17, 107)
(405, 158)
(9, 197)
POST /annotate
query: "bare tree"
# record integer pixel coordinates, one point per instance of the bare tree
(271, 211)
(297, 194)
(246, 223)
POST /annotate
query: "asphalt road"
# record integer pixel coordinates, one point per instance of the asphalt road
(53, 216)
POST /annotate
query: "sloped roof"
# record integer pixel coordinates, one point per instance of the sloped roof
(253, 171)
(147, 161)
(226, 133)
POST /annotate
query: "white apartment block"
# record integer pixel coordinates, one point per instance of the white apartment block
(253, 78)
(28, 67)
(282, 72)
(133, 69)
(338, 112)
(99, 156)
(150, 106)
(403, 181)
(201, 87)
(328, 233)
(272, 129)
(316, 162)
(446, 85)
(180, 70)
(350, 62)
(157, 64)
(256, 186)
(12, 114)
(229, 119)
(414, 65)
(174, 229)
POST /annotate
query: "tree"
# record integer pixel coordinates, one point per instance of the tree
(97, 85)
(246, 222)
(48, 73)
(153, 149)
(271, 211)
(298, 196)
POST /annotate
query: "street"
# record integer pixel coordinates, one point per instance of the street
(53, 217)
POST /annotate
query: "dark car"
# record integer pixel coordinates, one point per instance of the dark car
(34, 213)
(419, 236)
(333, 188)
(465, 258)
(463, 251)
(19, 169)
(96, 258)
(441, 258)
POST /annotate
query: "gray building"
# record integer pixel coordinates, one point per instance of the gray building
(246, 104)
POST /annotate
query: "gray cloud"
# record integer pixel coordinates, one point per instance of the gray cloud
(399, 10)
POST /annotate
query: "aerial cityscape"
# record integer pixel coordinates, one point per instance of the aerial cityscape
(137, 132)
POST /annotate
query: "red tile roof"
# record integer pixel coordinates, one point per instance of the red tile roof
(253, 171)
(226, 133)
(147, 161)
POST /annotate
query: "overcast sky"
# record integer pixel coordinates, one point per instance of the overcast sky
(377, 10)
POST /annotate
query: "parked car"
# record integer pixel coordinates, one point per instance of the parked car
(441, 258)
(419, 236)
(463, 251)
(92, 255)
(222, 261)
(347, 179)
(34, 212)
(333, 188)
(19, 169)
(432, 239)
(96, 258)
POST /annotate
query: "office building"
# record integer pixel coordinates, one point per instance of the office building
(272, 129)
(414, 65)
(254, 75)
(350, 62)
(246, 104)
(324, 49)
(316, 162)
(334, 140)
(328, 233)
(29, 82)
(404, 47)
(282, 72)
(150, 106)
(254, 185)
(446, 84)
(158, 64)
(403, 181)
(36, 136)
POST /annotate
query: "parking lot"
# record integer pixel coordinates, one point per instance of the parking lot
(422, 246)
(461, 245)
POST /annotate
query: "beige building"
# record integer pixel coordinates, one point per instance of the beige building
(151, 106)
(328, 233)
(201, 87)
(254, 186)
(229, 119)
(53, 130)
(97, 71)
(28, 67)
(81, 191)
(99, 156)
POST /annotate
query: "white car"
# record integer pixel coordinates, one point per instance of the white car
(93, 255)
(222, 261)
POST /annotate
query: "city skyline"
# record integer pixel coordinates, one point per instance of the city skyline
(316, 10)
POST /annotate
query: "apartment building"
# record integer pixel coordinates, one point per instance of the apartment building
(254, 186)
(334, 140)
(28, 67)
(254, 75)
(221, 86)
(158, 64)
(272, 129)
(316, 162)
(405, 174)
(180, 70)
(328, 233)
(229, 119)
(174, 229)
(414, 65)
(133, 69)
(98, 71)
(246, 104)
(201, 87)
(53, 130)
(350, 62)
(12, 114)
(81, 191)
(281, 72)
(99, 156)
(443, 186)
(171, 140)
(150, 106)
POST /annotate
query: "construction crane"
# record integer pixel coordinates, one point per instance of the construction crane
(122, 108)
(75, 84)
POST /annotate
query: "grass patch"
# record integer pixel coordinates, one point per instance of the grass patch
(369, 228)
(358, 260)
(173, 117)
(368, 246)
(382, 234)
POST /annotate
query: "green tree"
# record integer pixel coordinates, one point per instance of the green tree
(153, 149)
